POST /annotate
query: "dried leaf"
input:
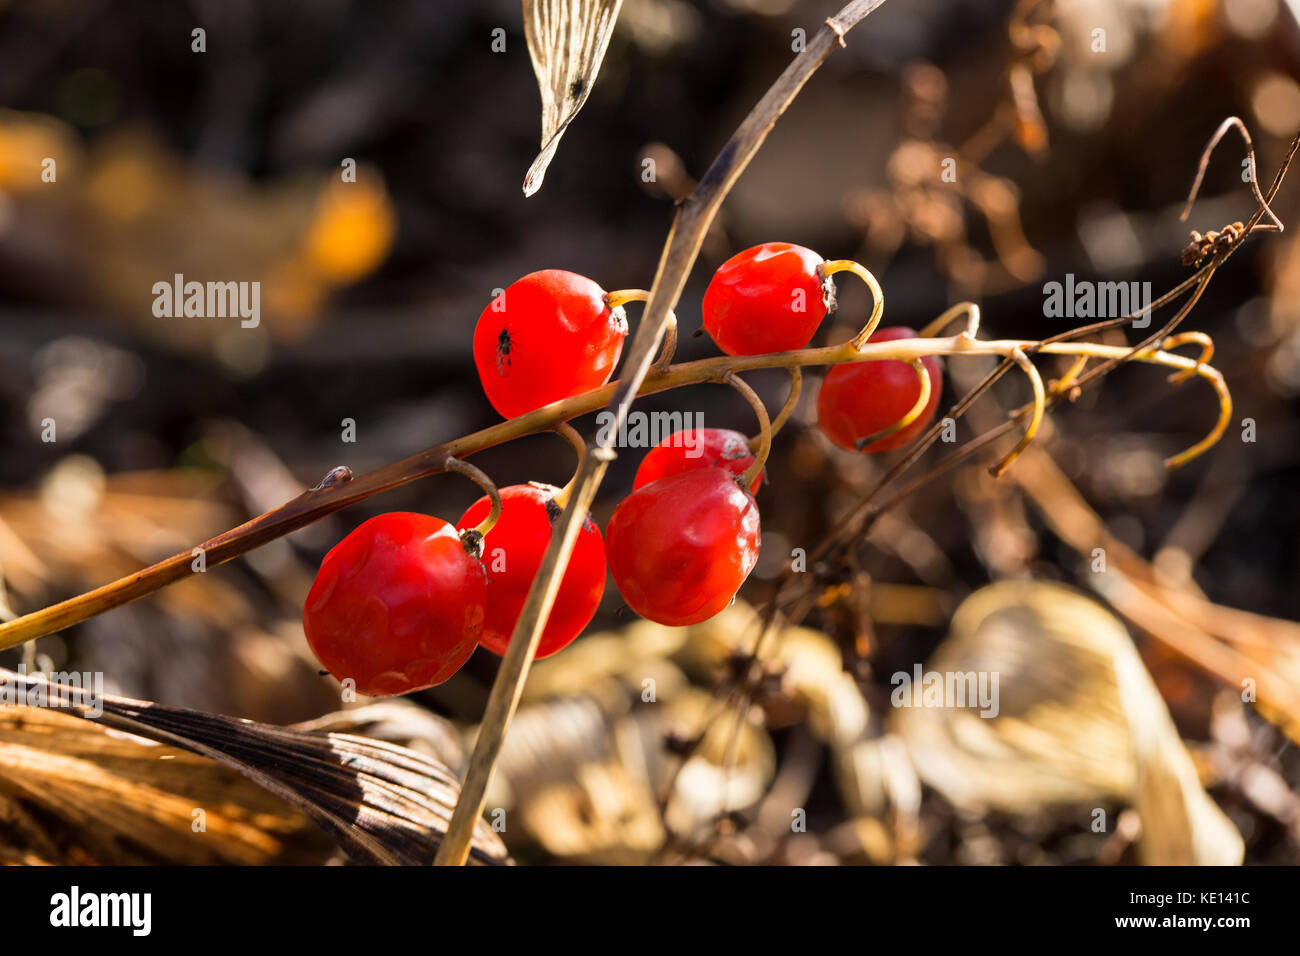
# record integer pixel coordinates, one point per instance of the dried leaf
(381, 803)
(567, 40)
(398, 721)
(1078, 720)
(72, 792)
(1181, 825)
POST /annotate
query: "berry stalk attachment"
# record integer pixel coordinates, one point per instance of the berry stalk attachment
(571, 435)
(752, 473)
(1035, 416)
(616, 300)
(922, 400)
(472, 538)
(876, 406)
(828, 269)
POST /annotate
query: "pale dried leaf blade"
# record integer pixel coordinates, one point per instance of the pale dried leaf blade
(1079, 721)
(567, 40)
(1181, 824)
(381, 803)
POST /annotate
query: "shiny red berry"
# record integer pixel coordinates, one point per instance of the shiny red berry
(397, 605)
(548, 336)
(680, 547)
(766, 299)
(512, 553)
(860, 399)
(697, 448)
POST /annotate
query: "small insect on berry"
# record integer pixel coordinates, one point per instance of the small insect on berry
(697, 448)
(512, 553)
(680, 547)
(503, 352)
(770, 298)
(398, 605)
(546, 337)
(861, 399)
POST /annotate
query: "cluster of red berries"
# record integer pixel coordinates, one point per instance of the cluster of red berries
(772, 298)
(401, 603)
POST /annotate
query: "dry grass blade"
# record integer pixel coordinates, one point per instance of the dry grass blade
(382, 803)
(567, 40)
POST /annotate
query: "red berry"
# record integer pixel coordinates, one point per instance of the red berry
(680, 547)
(766, 299)
(546, 337)
(512, 553)
(397, 605)
(860, 399)
(697, 448)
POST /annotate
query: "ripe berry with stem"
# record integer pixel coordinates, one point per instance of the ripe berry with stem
(769, 298)
(707, 447)
(695, 448)
(546, 337)
(398, 605)
(680, 547)
(881, 405)
(513, 552)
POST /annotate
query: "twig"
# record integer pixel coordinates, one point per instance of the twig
(1232, 122)
(570, 434)
(746, 480)
(1035, 417)
(791, 402)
